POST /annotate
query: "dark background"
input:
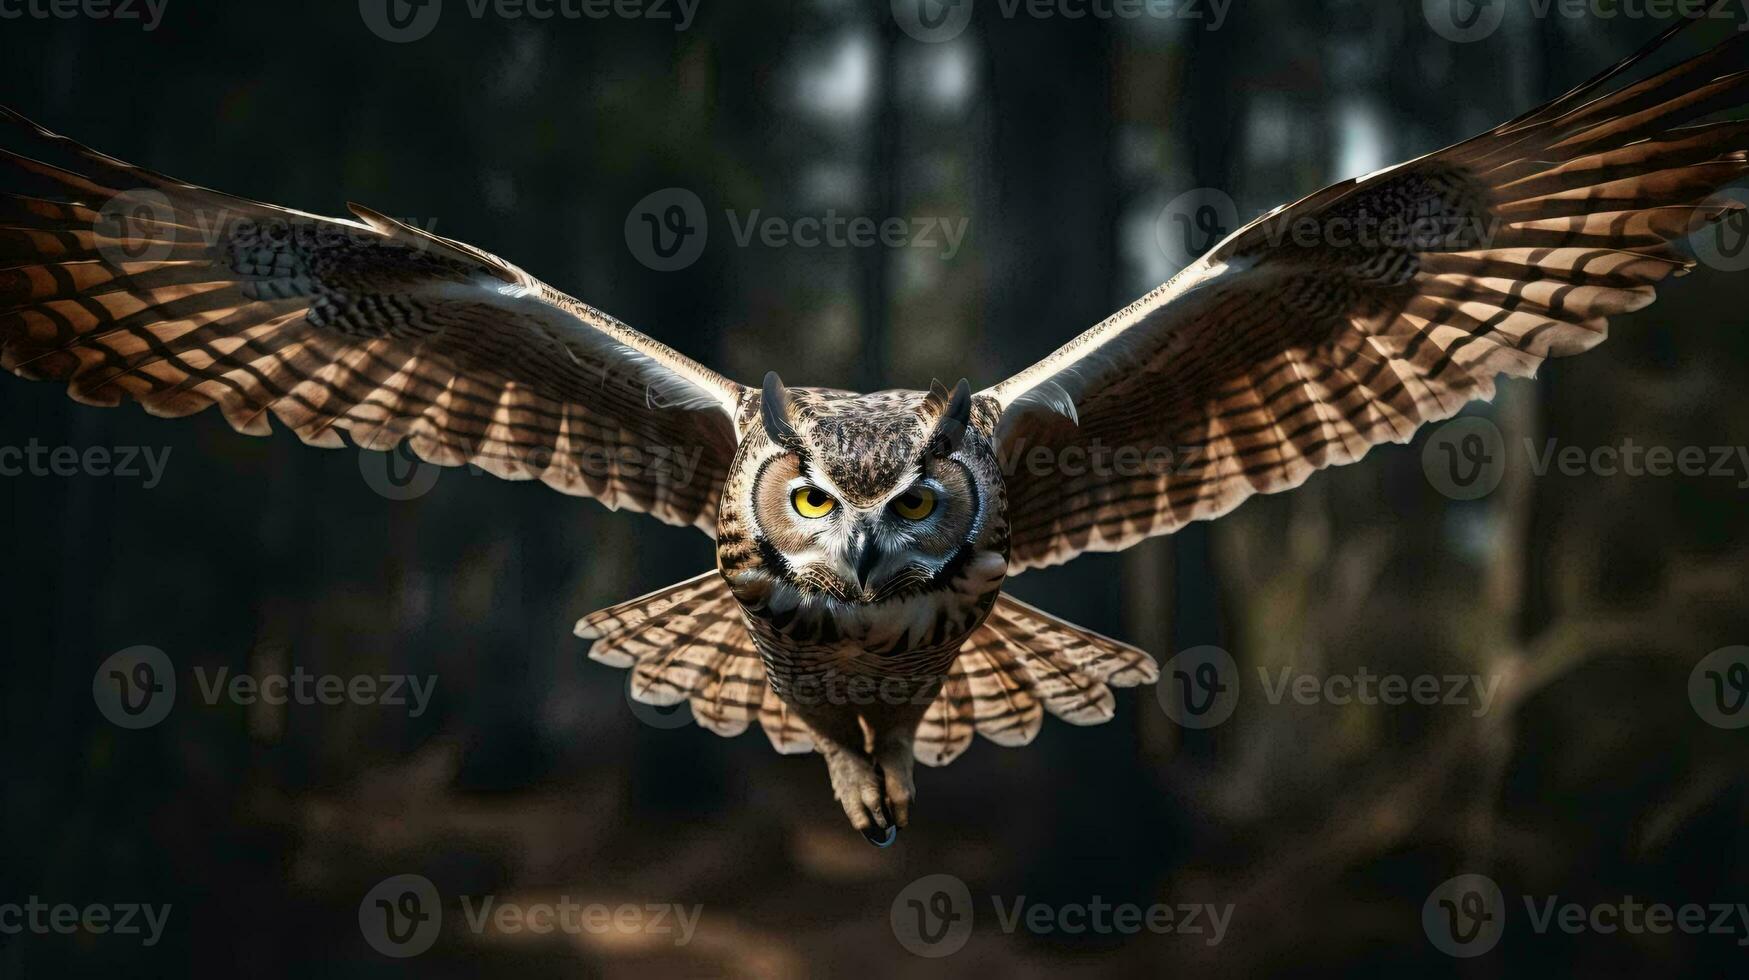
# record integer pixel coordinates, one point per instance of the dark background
(1060, 141)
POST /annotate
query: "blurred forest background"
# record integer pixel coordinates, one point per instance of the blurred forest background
(1589, 598)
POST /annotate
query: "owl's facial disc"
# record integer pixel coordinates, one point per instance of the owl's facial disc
(835, 549)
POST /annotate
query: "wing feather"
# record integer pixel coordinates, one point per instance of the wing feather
(1274, 357)
(122, 283)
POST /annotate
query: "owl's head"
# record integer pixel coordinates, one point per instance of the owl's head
(862, 498)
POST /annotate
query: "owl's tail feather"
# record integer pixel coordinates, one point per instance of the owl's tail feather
(687, 643)
(1021, 663)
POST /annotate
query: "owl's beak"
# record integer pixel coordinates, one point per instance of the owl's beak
(865, 556)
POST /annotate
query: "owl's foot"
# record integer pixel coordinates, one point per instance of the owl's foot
(894, 767)
(857, 783)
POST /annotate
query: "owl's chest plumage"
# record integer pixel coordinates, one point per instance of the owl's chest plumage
(808, 639)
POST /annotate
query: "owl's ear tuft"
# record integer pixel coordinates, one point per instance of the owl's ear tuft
(774, 411)
(955, 413)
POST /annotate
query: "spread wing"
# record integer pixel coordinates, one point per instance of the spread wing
(1351, 318)
(124, 283)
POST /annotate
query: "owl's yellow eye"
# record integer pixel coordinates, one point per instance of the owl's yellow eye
(915, 504)
(812, 502)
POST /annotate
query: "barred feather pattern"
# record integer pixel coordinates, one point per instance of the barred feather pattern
(688, 643)
(122, 283)
(1021, 663)
(1282, 353)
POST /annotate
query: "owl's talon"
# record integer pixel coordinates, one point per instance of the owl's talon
(882, 839)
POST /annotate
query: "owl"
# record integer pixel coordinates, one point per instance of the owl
(856, 609)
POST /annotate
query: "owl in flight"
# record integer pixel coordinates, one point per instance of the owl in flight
(863, 540)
